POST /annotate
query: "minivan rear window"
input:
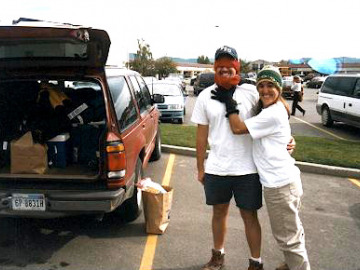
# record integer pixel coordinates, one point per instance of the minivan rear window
(342, 86)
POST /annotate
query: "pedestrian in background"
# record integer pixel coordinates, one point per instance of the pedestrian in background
(270, 131)
(230, 169)
(298, 91)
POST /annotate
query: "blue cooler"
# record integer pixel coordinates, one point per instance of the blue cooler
(58, 150)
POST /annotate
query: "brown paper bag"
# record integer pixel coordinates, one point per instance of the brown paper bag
(157, 210)
(27, 156)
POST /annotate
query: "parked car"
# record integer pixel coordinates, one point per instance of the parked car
(178, 81)
(174, 106)
(192, 80)
(286, 88)
(100, 124)
(246, 78)
(315, 82)
(308, 77)
(150, 79)
(339, 100)
(203, 81)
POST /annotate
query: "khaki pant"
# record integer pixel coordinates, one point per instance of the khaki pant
(283, 206)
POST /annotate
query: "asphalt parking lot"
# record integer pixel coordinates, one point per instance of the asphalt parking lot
(330, 213)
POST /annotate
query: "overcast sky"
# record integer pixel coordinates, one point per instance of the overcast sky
(258, 29)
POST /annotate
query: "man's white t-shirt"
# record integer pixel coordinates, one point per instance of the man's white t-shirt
(271, 132)
(230, 154)
(296, 87)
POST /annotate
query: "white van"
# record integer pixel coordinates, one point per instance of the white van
(339, 100)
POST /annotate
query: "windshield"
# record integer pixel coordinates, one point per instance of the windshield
(166, 89)
(40, 48)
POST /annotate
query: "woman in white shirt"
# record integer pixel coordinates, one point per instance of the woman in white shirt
(270, 130)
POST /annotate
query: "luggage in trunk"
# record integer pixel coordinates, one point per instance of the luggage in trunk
(49, 110)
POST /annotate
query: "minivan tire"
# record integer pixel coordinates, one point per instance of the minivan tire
(156, 154)
(326, 119)
(132, 207)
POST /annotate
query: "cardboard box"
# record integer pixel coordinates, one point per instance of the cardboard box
(27, 156)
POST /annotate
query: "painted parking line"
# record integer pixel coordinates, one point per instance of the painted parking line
(151, 241)
(322, 130)
(355, 182)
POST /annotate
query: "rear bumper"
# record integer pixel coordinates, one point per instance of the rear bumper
(65, 203)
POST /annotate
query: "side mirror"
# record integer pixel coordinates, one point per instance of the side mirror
(157, 98)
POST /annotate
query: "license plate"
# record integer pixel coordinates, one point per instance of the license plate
(28, 202)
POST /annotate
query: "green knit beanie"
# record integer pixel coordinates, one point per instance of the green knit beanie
(270, 73)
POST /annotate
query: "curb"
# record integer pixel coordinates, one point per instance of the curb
(303, 166)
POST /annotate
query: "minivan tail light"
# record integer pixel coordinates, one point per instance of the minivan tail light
(116, 163)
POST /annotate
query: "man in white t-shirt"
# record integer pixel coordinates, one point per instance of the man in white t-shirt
(230, 169)
(298, 90)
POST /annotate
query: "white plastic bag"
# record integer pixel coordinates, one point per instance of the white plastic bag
(148, 185)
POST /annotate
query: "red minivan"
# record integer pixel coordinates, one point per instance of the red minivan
(99, 124)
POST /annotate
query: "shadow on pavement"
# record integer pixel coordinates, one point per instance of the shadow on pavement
(34, 241)
(355, 213)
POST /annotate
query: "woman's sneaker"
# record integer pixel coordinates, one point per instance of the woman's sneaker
(216, 262)
(253, 265)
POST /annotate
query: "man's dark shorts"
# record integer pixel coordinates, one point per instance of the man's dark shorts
(246, 189)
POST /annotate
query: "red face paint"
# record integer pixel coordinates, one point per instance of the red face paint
(224, 74)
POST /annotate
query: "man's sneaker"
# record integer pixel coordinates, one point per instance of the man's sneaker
(284, 266)
(216, 262)
(253, 265)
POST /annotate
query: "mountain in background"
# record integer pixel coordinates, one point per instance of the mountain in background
(183, 60)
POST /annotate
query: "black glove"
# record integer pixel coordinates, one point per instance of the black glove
(226, 96)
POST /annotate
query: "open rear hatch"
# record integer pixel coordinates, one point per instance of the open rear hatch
(62, 111)
(26, 47)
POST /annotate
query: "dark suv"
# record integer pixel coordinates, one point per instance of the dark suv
(99, 124)
(203, 81)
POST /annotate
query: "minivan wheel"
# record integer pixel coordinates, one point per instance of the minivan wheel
(132, 207)
(326, 119)
(156, 154)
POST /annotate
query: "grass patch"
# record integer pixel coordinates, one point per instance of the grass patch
(308, 149)
(327, 151)
(180, 135)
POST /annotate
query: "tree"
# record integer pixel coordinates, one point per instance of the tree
(203, 60)
(164, 66)
(245, 66)
(143, 62)
(283, 63)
